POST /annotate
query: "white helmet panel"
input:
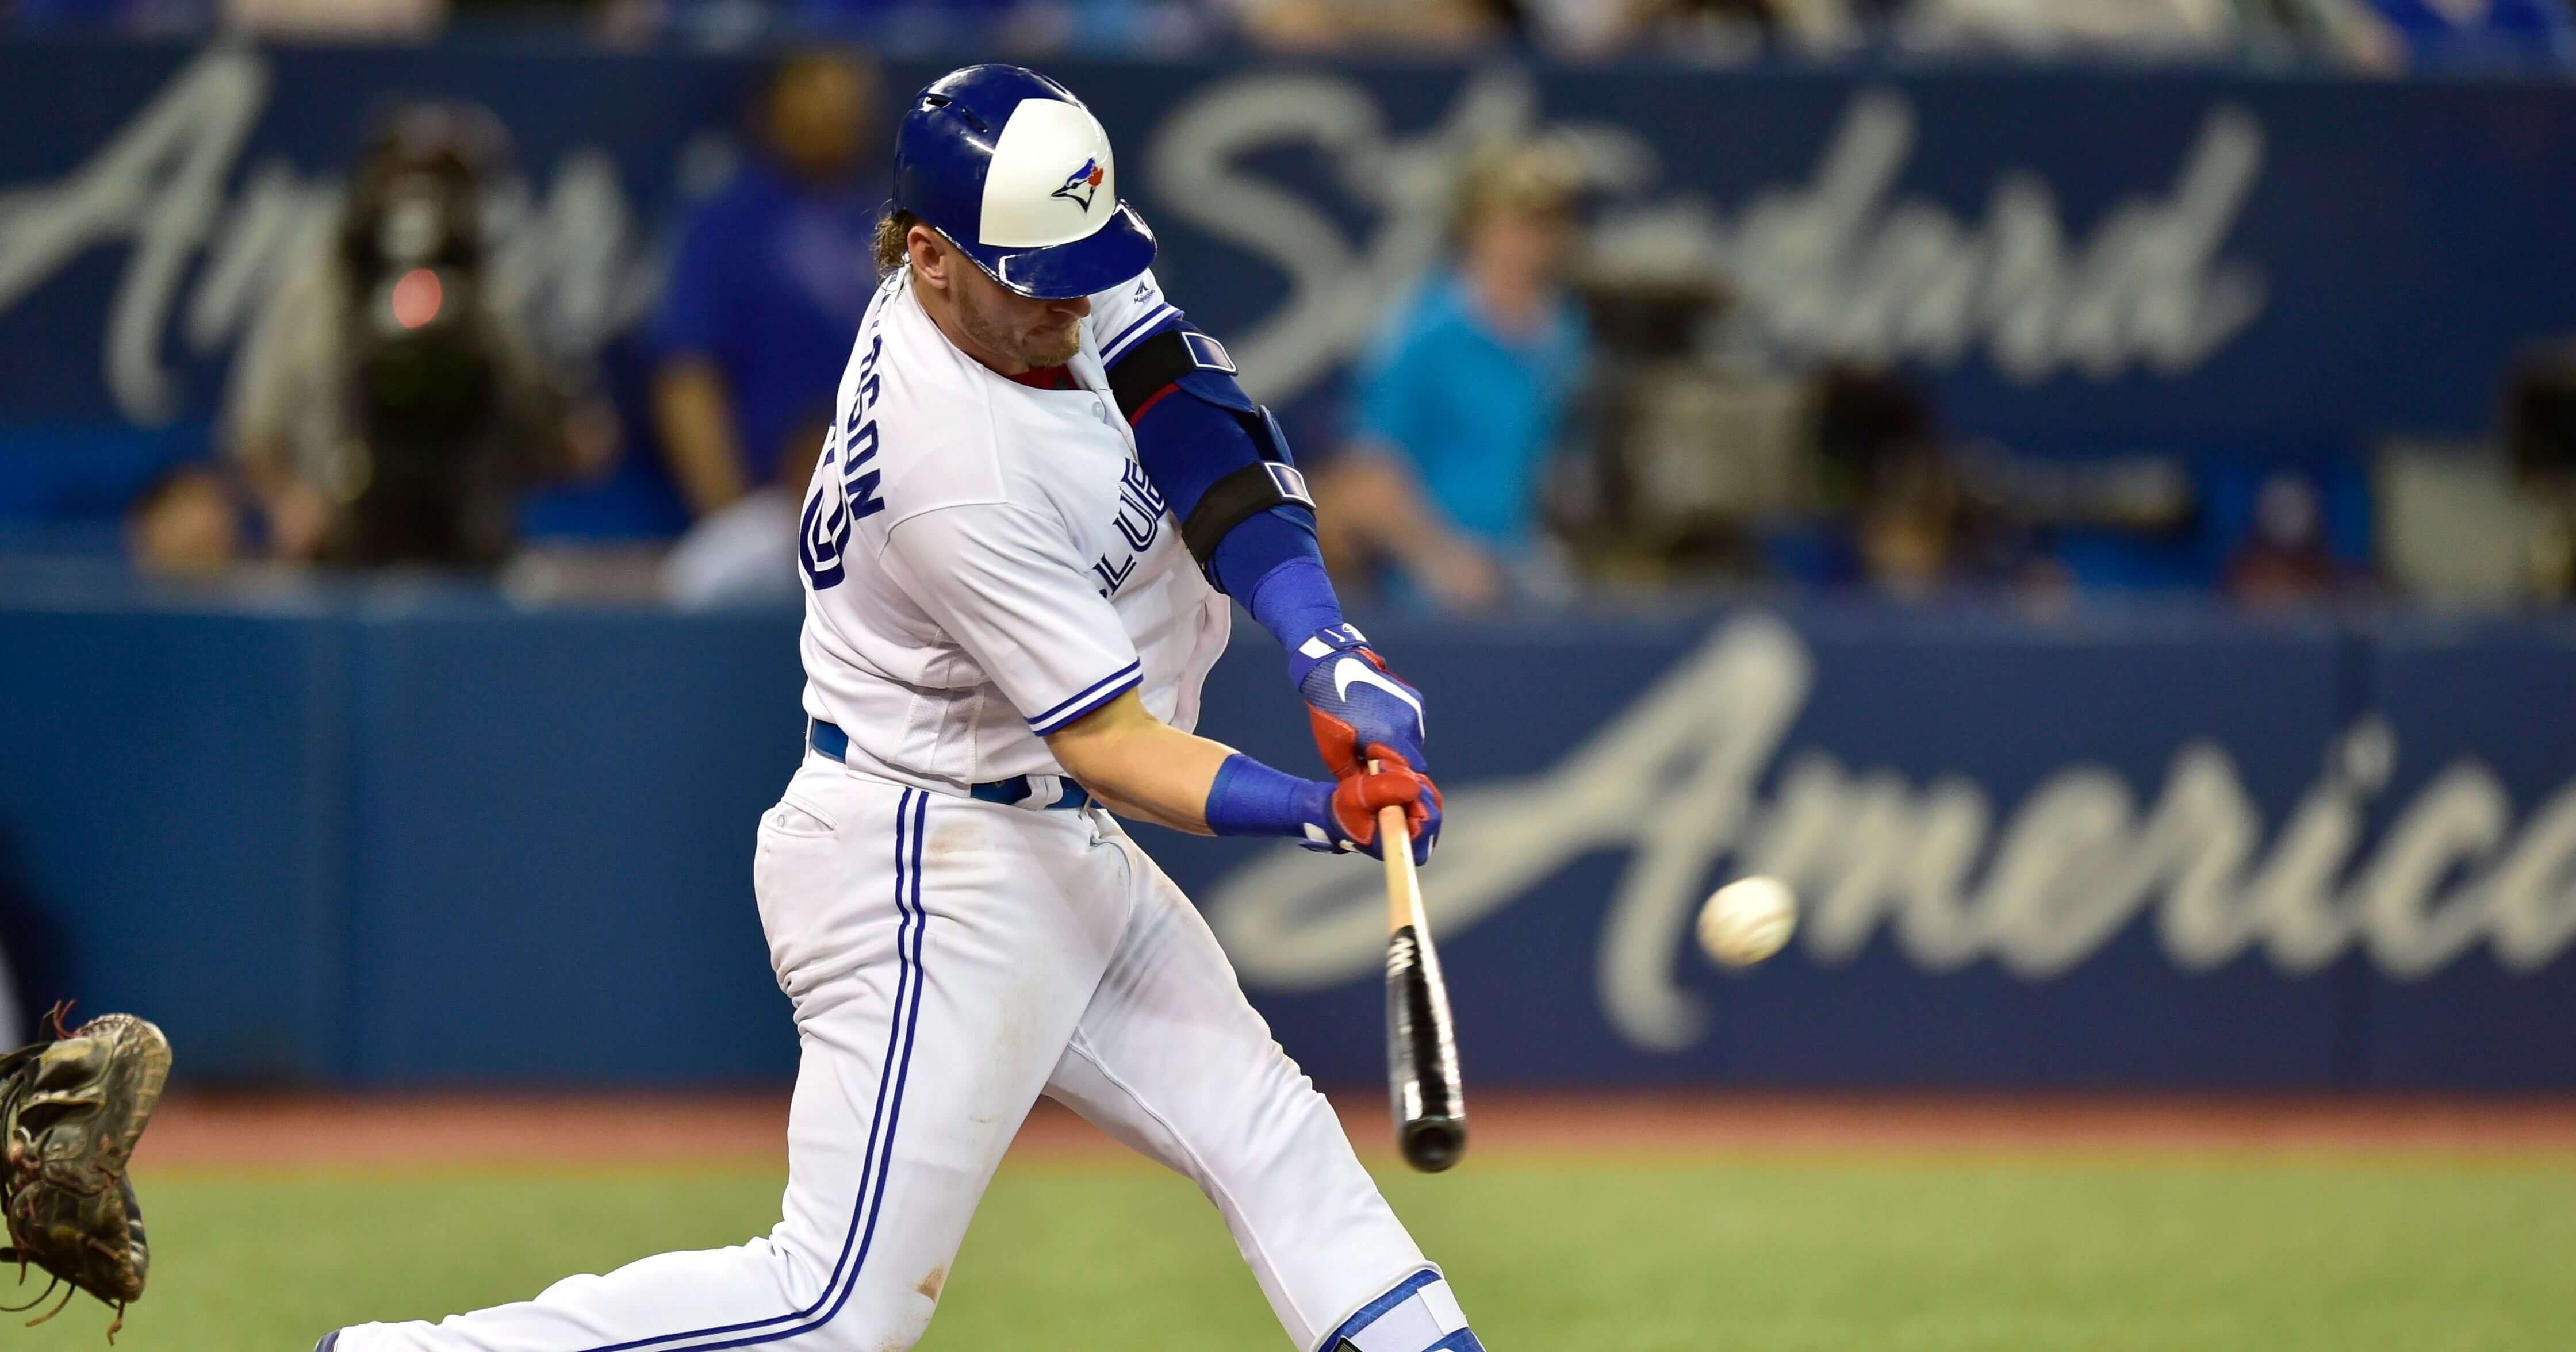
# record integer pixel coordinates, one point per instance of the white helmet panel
(1051, 180)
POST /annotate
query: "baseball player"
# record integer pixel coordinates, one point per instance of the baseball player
(1041, 486)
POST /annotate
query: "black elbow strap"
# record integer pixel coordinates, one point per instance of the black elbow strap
(1159, 362)
(1238, 497)
(1200, 368)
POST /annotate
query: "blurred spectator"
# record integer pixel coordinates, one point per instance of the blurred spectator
(335, 20)
(1717, 30)
(773, 275)
(2335, 31)
(186, 522)
(387, 409)
(1464, 397)
(1909, 527)
(1136, 27)
(2060, 27)
(1329, 25)
(1904, 512)
(2451, 32)
(299, 20)
(1880, 469)
(1708, 30)
(2284, 559)
(2371, 34)
(901, 25)
(1879, 445)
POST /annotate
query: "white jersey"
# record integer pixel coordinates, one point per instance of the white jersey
(985, 562)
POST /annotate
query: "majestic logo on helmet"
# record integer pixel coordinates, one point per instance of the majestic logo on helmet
(1082, 184)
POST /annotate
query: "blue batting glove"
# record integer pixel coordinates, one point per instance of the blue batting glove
(1360, 710)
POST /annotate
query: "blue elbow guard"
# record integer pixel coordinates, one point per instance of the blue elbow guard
(1217, 457)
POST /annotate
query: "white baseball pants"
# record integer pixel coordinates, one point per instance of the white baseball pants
(950, 960)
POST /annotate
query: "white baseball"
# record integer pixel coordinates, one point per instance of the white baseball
(1748, 920)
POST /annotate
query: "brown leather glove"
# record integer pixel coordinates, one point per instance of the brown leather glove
(71, 1109)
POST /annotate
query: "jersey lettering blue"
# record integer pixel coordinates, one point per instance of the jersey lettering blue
(1139, 522)
(848, 494)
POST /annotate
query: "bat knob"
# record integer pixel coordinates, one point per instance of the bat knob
(1434, 1143)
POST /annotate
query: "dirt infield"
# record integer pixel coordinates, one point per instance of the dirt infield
(227, 1131)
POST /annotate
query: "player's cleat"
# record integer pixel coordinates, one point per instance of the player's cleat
(329, 1341)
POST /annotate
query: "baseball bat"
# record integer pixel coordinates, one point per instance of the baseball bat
(1421, 1037)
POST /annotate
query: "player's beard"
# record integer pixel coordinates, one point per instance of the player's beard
(1037, 347)
(1058, 346)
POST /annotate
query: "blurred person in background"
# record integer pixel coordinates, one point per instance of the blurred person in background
(2425, 33)
(2284, 559)
(336, 20)
(298, 20)
(1912, 529)
(1716, 31)
(388, 408)
(2045, 28)
(1880, 452)
(1464, 399)
(2376, 35)
(773, 275)
(1902, 514)
(1127, 27)
(1419, 25)
(187, 522)
(1710, 30)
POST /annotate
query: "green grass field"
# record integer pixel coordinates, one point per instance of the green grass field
(1551, 1255)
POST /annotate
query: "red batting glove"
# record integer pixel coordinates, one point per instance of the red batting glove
(1357, 799)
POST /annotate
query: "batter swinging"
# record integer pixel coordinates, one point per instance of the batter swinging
(1036, 472)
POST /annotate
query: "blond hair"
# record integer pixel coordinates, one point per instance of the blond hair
(891, 249)
(1544, 174)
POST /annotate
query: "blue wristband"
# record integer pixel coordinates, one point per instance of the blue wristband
(1251, 799)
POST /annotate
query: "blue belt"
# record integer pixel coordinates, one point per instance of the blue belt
(828, 739)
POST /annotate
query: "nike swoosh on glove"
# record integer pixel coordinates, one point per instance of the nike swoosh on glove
(1359, 709)
(1351, 815)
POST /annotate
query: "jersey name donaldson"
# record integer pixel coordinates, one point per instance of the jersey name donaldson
(956, 511)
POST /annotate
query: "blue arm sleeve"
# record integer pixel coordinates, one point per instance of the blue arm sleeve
(1196, 433)
(1291, 596)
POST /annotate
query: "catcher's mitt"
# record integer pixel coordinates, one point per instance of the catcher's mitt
(71, 1109)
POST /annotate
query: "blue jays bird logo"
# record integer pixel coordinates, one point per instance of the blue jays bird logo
(1082, 184)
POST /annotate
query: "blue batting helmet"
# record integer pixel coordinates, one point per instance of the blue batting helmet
(1017, 174)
